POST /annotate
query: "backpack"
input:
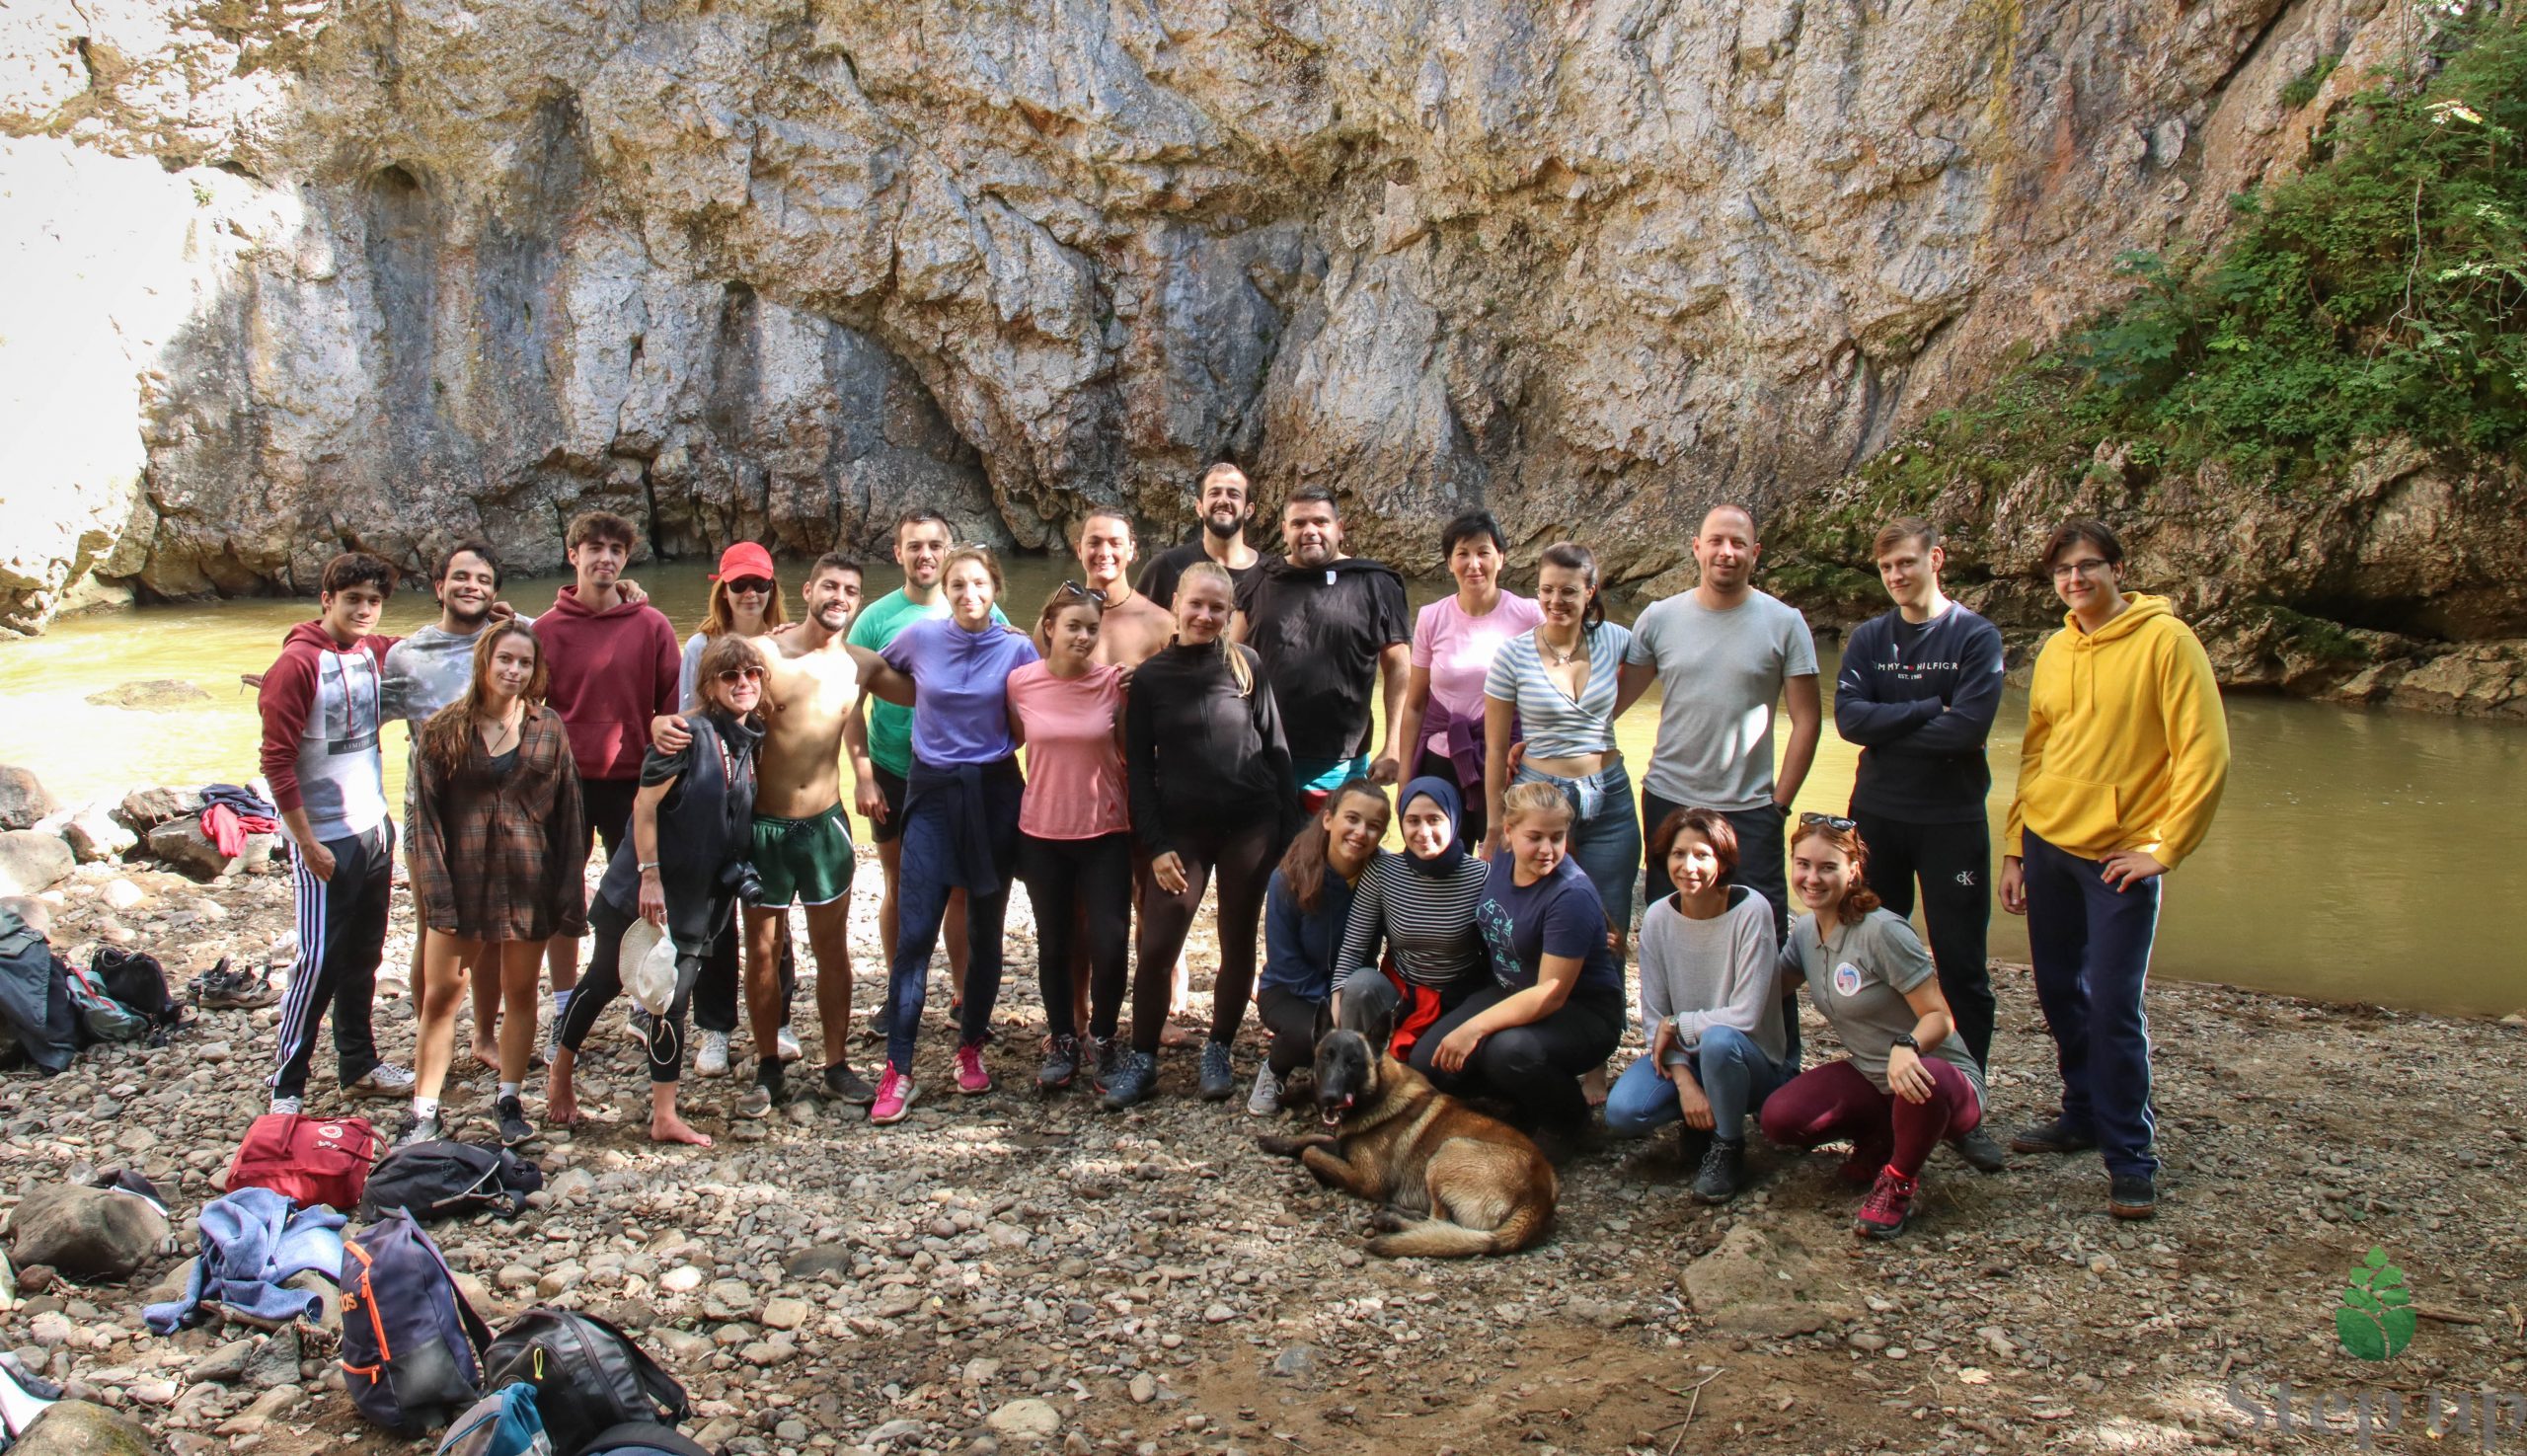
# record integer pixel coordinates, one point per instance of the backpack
(101, 1017)
(311, 1160)
(412, 1347)
(644, 1439)
(502, 1423)
(139, 981)
(589, 1377)
(437, 1178)
(35, 1013)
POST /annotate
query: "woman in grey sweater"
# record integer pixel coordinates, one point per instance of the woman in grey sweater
(1710, 1003)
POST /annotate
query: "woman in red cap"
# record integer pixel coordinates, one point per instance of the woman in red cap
(745, 601)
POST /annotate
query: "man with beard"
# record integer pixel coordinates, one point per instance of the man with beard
(1328, 626)
(1226, 501)
(1133, 625)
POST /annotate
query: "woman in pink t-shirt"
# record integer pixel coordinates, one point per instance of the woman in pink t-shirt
(1074, 841)
(1454, 639)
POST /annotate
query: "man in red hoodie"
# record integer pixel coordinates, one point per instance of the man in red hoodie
(322, 704)
(614, 668)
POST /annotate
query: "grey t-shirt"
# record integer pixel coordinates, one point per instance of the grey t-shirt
(1720, 676)
(425, 673)
(1858, 976)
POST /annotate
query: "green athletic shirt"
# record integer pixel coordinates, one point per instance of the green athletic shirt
(890, 727)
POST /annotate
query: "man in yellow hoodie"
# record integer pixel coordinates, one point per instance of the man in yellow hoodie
(2125, 753)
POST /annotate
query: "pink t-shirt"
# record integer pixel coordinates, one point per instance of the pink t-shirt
(1458, 650)
(1074, 767)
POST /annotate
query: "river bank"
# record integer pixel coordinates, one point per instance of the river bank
(1154, 1285)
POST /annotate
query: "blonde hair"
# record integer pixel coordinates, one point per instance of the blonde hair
(1211, 570)
(1534, 796)
(720, 617)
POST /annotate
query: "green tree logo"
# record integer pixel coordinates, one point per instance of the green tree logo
(2376, 1320)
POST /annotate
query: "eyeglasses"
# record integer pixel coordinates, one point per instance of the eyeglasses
(1835, 823)
(753, 585)
(731, 676)
(1073, 589)
(2063, 571)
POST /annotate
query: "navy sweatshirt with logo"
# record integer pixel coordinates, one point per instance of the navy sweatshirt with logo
(1919, 701)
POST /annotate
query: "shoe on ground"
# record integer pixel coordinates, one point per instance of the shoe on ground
(223, 989)
(1265, 1097)
(286, 1107)
(711, 1059)
(1110, 1057)
(786, 1046)
(896, 1096)
(1723, 1174)
(846, 1085)
(420, 1129)
(1219, 1074)
(1980, 1152)
(1061, 1065)
(757, 1102)
(2132, 1195)
(1888, 1206)
(1134, 1078)
(972, 1078)
(383, 1080)
(515, 1129)
(2056, 1136)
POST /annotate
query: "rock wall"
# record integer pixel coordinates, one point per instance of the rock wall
(774, 268)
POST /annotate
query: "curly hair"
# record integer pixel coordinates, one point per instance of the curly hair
(1858, 898)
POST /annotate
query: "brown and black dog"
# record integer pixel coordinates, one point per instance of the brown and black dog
(1454, 1181)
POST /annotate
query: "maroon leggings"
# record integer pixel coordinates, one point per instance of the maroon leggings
(1837, 1101)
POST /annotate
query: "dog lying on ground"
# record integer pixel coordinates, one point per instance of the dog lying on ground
(1454, 1181)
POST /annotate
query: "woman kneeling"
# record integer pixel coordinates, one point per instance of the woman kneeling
(1305, 910)
(1908, 1082)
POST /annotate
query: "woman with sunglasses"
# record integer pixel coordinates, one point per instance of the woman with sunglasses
(1909, 1082)
(745, 601)
(1074, 829)
(692, 827)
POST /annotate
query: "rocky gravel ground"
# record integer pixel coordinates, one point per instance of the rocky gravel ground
(1010, 1273)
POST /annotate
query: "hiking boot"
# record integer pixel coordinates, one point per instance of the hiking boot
(1979, 1151)
(383, 1080)
(786, 1044)
(1723, 1171)
(286, 1107)
(515, 1129)
(2132, 1195)
(1061, 1064)
(711, 1059)
(1110, 1057)
(971, 1079)
(845, 1084)
(222, 989)
(1134, 1078)
(420, 1129)
(1219, 1074)
(896, 1096)
(1888, 1206)
(2056, 1136)
(1265, 1098)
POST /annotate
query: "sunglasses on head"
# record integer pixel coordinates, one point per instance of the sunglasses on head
(1835, 823)
(749, 584)
(734, 675)
(1073, 589)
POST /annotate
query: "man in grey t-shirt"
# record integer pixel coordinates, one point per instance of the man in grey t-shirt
(1726, 654)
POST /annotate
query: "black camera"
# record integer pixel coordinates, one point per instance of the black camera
(741, 881)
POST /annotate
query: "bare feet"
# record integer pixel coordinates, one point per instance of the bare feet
(487, 1053)
(1592, 1085)
(561, 1104)
(1172, 1035)
(667, 1127)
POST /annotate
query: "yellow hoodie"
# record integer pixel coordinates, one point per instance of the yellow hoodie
(2126, 745)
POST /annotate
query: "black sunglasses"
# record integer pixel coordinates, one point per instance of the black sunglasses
(1835, 823)
(1073, 589)
(749, 584)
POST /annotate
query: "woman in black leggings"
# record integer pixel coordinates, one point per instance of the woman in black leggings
(1211, 795)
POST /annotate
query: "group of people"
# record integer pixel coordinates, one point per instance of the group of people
(1214, 725)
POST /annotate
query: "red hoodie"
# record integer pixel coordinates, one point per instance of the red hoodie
(322, 704)
(612, 672)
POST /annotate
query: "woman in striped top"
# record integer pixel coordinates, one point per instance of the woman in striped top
(1420, 906)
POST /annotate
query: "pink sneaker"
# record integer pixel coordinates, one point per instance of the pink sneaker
(971, 1079)
(1888, 1206)
(895, 1097)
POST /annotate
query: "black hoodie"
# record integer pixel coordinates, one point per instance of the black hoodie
(1319, 631)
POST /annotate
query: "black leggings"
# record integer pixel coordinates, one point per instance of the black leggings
(1084, 884)
(715, 995)
(1242, 855)
(604, 981)
(1953, 863)
(1534, 1068)
(1297, 1022)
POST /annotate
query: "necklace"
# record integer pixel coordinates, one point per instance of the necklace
(502, 735)
(1561, 657)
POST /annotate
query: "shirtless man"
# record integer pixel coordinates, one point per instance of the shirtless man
(1133, 626)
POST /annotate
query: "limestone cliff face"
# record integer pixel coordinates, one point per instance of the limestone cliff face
(775, 267)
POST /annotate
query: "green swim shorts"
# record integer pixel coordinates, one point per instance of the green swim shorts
(803, 859)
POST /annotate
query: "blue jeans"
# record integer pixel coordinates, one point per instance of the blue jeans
(1605, 836)
(2091, 945)
(1733, 1072)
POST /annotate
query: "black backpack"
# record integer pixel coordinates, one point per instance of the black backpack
(589, 1378)
(441, 1178)
(138, 981)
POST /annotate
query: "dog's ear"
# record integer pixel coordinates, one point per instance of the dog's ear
(1373, 1018)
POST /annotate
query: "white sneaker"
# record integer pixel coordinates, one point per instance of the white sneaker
(383, 1080)
(786, 1046)
(286, 1107)
(712, 1060)
(1265, 1098)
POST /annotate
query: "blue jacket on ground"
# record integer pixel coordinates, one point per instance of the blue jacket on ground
(252, 1241)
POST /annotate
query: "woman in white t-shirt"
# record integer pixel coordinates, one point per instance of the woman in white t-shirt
(1454, 641)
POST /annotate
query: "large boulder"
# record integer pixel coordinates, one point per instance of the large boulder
(1759, 1283)
(156, 695)
(95, 834)
(85, 1233)
(144, 809)
(23, 799)
(31, 860)
(183, 845)
(85, 1428)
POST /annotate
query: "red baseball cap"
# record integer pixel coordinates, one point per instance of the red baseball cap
(745, 558)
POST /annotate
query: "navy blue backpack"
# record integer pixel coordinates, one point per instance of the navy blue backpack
(412, 1347)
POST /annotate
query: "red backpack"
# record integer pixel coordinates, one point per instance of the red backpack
(310, 1160)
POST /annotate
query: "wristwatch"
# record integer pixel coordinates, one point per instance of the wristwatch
(1905, 1040)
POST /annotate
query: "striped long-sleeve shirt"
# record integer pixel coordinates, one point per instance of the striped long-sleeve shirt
(1427, 922)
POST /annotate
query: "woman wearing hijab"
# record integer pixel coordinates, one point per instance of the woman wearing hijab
(1420, 906)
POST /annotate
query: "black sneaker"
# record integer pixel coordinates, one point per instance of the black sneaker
(515, 1129)
(1061, 1064)
(1110, 1061)
(1979, 1151)
(1219, 1074)
(2056, 1136)
(1723, 1171)
(846, 1085)
(2132, 1195)
(1134, 1078)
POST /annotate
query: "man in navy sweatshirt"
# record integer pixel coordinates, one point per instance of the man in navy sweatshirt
(1919, 688)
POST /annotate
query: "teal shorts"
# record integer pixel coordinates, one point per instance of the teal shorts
(809, 861)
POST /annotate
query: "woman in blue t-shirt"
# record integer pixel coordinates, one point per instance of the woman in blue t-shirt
(1555, 1009)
